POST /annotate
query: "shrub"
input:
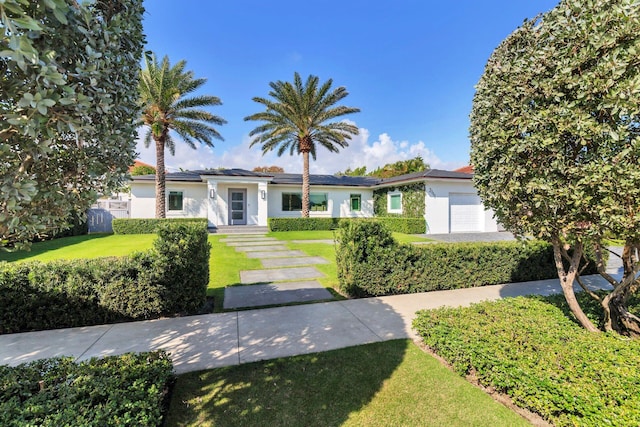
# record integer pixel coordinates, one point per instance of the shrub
(118, 390)
(396, 224)
(171, 278)
(150, 225)
(532, 350)
(301, 224)
(370, 262)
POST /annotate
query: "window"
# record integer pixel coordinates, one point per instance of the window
(175, 201)
(356, 202)
(394, 202)
(318, 202)
(291, 202)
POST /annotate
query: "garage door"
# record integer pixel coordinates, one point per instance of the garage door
(465, 213)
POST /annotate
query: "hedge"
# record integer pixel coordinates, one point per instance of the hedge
(127, 390)
(170, 278)
(371, 263)
(150, 225)
(396, 224)
(531, 349)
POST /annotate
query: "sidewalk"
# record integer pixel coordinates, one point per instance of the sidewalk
(216, 340)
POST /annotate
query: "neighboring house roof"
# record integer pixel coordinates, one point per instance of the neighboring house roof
(465, 169)
(137, 163)
(296, 179)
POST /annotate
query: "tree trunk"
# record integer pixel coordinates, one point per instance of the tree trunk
(617, 317)
(160, 178)
(567, 277)
(305, 184)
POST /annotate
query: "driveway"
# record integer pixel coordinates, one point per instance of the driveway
(471, 237)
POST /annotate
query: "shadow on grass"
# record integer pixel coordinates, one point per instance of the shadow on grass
(319, 389)
(39, 248)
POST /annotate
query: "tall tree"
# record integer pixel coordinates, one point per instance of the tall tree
(167, 109)
(68, 103)
(555, 141)
(298, 118)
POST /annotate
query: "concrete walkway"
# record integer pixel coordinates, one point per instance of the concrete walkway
(285, 279)
(215, 340)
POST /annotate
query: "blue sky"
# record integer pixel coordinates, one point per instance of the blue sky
(410, 66)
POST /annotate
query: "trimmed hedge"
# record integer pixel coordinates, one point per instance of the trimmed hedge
(531, 349)
(302, 224)
(127, 390)
(395, 224)
(150, 225)
(371, 263)
(170, 278)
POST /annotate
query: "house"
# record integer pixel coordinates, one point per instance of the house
(446, 200)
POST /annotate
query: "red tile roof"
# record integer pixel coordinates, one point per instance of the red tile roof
(465, 169)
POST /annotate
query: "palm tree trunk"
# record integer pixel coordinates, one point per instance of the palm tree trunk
(160, 179)
(305, 184)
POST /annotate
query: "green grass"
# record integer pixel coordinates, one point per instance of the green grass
(87, 246)
(225, 265)
(393, 383)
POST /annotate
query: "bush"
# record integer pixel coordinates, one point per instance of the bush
(532, 350)
(371, 263)
(150, 225)
(396, 224)
(301, 224)
(118, 390)
(171, 278)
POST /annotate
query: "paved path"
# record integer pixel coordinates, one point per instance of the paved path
(215, 340)
(471, 237)
(284, 280)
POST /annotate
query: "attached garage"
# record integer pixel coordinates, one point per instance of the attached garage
(465, 213)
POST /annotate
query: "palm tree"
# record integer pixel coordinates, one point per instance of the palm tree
(296, 119)
(165, 109)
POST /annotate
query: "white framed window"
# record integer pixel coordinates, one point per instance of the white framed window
(355, 203)
(175, 201)
(394, 202)
(291, 202)
(318, 202)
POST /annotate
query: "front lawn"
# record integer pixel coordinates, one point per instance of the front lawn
(86, 246)
(392, 383)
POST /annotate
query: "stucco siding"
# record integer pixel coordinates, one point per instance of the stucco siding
(338, 202)
(194, 200)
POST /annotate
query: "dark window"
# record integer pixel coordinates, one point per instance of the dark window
(291, 202)
(175, 200)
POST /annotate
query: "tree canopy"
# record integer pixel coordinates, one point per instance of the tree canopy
(555, 139)
(401, 167)
(298, 117)
(272, 169)
(68, 101)
(167, 109)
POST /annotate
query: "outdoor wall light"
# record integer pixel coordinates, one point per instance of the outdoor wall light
(263, 194)
(430, 192)
(212, 193)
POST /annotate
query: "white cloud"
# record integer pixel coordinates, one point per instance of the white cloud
(360, 152)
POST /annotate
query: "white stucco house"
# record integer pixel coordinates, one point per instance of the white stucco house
(235, 197)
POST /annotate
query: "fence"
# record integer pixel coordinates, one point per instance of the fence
(101, 214)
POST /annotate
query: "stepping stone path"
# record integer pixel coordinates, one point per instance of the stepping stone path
(285, 278)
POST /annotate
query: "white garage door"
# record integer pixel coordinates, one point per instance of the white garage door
(465, 213)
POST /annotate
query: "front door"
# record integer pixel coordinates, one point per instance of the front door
(237, 206)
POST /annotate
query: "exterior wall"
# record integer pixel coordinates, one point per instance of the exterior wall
(437, 206)
(194, 199)
(338, 202)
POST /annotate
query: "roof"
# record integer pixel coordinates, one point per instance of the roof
(342, 180)
(296, 179)
(465, 169)
(430, 173)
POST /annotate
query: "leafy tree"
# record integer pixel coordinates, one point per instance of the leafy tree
(555, 133)
(401, 167)
(167, 109)
(268, 169)
(142, 170)
(68, 101)
(297, 119)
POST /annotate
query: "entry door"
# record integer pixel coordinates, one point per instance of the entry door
(237, 206)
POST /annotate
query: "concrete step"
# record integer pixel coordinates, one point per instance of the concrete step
(239, 229)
